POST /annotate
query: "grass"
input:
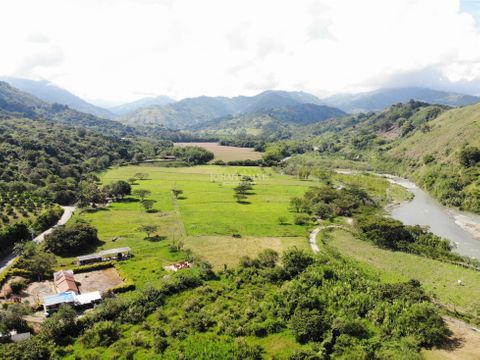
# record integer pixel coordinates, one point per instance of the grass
(207, 205)
(384, 192)
(227, 153)
(204, 218)
(438, 278)
(220, 250)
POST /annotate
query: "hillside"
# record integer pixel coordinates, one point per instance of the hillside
(382, 98)
(417, 140)
(16, 103)
(192, 112)
(51, 93)
(272, 124)
(127, 108)
(53, 157)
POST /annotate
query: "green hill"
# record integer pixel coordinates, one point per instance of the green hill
(15, 103)
(427, 143)
(194, 112)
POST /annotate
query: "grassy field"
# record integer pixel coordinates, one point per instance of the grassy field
(204, 218)
(220, 250)
(227, 153)
(438, 278)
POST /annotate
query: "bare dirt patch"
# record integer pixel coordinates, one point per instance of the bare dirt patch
(98, 280)
(464, 343)
(36, 291)
(227, 153)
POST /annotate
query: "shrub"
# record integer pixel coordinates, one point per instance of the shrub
(301, 219)
(296, 261)
(102, 333)
(469, 156)
(308, 325)
(93, 267)
(18, 286)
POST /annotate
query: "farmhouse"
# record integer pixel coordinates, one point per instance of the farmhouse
(68, 293)
(105, 255)
(53, 302)
(64, 281)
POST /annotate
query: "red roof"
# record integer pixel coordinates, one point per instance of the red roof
(64, 281)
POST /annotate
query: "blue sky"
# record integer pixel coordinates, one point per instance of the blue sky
(472, 7)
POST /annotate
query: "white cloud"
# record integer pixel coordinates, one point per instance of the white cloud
(117, 49)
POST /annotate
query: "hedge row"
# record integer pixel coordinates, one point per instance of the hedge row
(92, 267)
(7, 273)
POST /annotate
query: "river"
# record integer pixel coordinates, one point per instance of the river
(461, 228)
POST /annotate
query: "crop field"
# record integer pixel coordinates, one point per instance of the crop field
(438, 278)
(227, 153)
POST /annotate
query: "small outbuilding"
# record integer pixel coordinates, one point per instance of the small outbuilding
(178, 266)
(105, 255)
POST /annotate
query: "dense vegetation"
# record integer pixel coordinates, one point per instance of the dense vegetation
(192, 155)
(328, 304)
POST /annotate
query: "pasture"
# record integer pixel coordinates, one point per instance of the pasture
(438, 278)
(226, 153)
(205, 218)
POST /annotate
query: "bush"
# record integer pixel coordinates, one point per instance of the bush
(93, 267)
(18, 286)
(301, 219)
(469, 156)
(103, 333)
(296, 261)
(308, 325)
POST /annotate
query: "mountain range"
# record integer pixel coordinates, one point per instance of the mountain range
(193, 112)
(15, 103)
(380, 99)
(50, 93)
(271, 109)
(127, 108)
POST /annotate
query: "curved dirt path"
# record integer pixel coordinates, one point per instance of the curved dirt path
(313, 240)
(67, 214)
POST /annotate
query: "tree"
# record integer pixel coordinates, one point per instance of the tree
(72, 239)
(304, 172)
(90, 193)
(148, 229)
(177, 192)
(308, 325)
(194, 155)
(296, 261)
(141, 176)
(141, 193)
(119, 189)
(37, 347)
(61, 326)
(148, 205)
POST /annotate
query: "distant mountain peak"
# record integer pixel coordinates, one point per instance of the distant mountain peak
(51, 93)
(197, 110)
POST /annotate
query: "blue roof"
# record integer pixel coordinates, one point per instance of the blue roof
(60, 298)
